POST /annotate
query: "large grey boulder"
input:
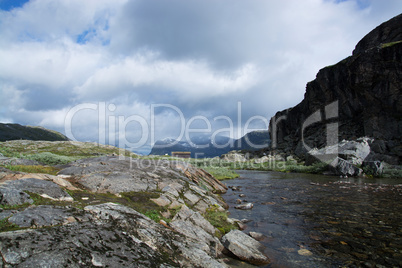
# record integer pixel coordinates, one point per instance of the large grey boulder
(355, 152)
(342, 167)
(245, 247)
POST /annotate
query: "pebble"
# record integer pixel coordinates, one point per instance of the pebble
(304, 252)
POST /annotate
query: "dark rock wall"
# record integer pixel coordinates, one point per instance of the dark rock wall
(367, 87)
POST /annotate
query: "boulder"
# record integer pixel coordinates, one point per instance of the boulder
(354, 152)
(245, 206)
(234, 156)
(342, 167)
(373, 167)
(257, 236)
(245, 248)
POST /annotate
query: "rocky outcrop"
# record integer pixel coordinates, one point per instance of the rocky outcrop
(65, 232)
(98, 236)
(357, 97)
(18, 132)
(179, 182)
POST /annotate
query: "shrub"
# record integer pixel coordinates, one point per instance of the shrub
(51, 159)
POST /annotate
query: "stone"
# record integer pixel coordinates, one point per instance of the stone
(342, 167)
(241, 225)
(162, 201)
(11, 197)
(191, 198)
(46, 189)
(373, 167)
(304, 252)
(41, 216)
(171, 190)
(234, 156)
(355, 152)
(192, 224)
(244, 247)
(245, 206)
(257, 236)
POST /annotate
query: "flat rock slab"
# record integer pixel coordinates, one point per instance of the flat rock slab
(245, 247)
(41, 216)
(11, 190)
(117, 175)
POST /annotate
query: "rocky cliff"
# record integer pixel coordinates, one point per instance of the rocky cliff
(357, 97)
(18, 132)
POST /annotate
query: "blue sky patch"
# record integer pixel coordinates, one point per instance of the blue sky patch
(8, 5)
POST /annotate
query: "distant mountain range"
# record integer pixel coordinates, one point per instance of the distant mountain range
(19, 132)
(204, 146)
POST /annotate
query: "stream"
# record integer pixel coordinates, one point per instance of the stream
(321, 221)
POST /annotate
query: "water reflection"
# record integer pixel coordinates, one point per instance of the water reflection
(320, 221)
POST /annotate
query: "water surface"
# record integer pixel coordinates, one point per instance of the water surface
(322, 221)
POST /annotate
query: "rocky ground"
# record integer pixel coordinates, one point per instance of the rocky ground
(118, 211)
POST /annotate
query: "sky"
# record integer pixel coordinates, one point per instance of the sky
(130, 72)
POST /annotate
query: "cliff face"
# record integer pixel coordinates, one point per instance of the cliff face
(365, 93)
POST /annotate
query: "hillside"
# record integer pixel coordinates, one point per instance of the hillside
(367, 89)
(19, 132)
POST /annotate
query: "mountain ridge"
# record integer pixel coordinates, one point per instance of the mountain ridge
(9, 131)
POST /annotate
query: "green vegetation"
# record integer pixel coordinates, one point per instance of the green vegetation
(6, 226)
(51, 158)
(390, 44)
(221, 173)
(390, 172)
(14, 207)
(33, 169)
(218, 219)
(76, 150)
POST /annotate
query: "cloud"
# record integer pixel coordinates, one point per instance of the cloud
(203, 57)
